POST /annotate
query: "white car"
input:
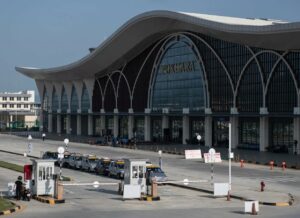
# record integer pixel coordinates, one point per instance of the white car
(89, 162)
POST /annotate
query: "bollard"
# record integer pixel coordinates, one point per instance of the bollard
(253, 209)
(228, 196)
(154, 193)
(242, 163)
(271, 165)
(283, 165)
(262, 186)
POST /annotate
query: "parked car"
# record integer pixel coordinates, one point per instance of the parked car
(102, 166)
(66, 159)
(155, 172)
(51, 155)
(75, 161)
(89, 162)
(116, 168)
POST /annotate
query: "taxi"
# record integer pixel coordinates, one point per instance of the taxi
(155, 172)
(116, 169)
(102, 167)
(89, 162)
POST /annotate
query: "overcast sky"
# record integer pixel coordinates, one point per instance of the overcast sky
(51, 33)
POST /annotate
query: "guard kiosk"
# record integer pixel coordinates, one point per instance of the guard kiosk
(43, 182)
(134, 178)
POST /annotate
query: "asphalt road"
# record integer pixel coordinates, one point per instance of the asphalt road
(82, 201)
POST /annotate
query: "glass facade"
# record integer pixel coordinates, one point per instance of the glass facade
(196, 127)
(176, 129)
(64, 101)
(123, 127)
(55, 105)
(281, 134)
(139, 125)
(74, 101)
(85, 101)
(178, 81)
(220, 132)
(156, 129)
(249, 133)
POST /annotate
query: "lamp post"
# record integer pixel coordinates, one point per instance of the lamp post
(199, 138)
(66, 141)
(29, 144)
(160, 159)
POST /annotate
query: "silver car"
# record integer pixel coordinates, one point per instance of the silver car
(89, 162)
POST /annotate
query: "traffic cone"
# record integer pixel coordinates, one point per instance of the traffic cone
(253, 209)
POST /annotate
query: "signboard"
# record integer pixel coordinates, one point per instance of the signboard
(193, 154)
(215, 158)
(221, 189)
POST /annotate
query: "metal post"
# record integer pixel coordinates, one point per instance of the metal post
(229, 156)
(211, 173)
(60, 166)
(160, 159)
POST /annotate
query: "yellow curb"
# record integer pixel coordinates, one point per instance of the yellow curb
(282, 204)
(149, 198)
(51, 201)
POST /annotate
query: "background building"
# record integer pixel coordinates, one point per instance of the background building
(18, 109)
(166, 77)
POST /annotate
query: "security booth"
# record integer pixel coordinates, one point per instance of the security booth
(134, 178)
(43, 182)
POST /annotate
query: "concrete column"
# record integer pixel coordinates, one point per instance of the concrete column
(263, 133)
(297, 134)
(185, 128)
(208, 131)
(90, 124)
(147, 127)
(102, 123)
(263, 129)
(78, 124)
(58, 123)
(234, 120)
(116, 125)
(50, 123)
(68, 123)
(130, 126)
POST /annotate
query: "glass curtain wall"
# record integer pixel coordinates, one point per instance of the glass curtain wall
(176, 129)
(139, 125)
(281, 134)
(197, 127)
(220, 131)
(249, 133)
(123, 127)
(156, 129)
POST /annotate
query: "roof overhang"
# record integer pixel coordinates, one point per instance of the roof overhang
(144, 29)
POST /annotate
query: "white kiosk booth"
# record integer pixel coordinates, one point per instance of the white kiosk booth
(43, 182)
(134, 178)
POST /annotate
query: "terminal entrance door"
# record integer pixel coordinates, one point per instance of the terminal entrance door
(220, 131)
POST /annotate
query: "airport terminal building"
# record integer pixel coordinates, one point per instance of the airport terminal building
(167, 76)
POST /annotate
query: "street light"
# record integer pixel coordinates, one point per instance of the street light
(66, 141)
(29, 145)
(199, 138)
(160, 159)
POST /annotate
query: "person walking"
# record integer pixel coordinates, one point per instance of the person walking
(43, 136)
(18, 188)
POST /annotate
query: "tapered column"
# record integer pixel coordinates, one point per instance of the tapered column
(50, 122)
(58, 123)
(147, 125)
(208, 131)
(185, 129)
(68, 124)
(90, 124)
(130, 126)
(102, 124)
(78, 124)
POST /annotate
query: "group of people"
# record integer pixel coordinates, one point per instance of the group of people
(21, 191)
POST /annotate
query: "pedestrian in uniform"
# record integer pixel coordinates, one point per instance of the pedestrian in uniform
(18, 188)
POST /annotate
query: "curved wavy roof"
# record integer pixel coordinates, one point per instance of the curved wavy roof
(142, 30)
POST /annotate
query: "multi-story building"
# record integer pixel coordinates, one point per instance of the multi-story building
(18, 109)
(167, 76)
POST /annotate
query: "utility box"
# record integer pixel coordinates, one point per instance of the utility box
(134, 176)
(43, 182)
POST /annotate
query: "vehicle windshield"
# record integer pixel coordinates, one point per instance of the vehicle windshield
(77, 158)
(120, 166)
(155, 170)
(92, 160)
